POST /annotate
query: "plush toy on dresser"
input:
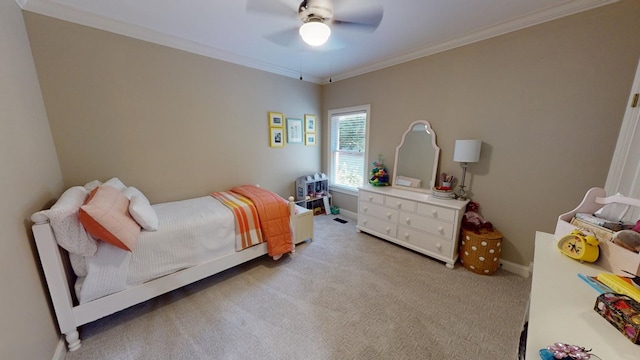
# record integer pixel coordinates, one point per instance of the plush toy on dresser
(379, 174)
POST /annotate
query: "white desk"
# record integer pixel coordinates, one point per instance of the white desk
(561, 307)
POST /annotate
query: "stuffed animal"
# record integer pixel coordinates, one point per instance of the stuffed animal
(379, 174)
(472, 219)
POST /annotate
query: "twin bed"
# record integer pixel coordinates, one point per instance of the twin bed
(177, 243)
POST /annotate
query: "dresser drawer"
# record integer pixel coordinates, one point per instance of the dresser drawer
(433, 226)
(425, 241)
(400, 204)
(378, 211)
(436, 212)
(382, 227)
(371, 197)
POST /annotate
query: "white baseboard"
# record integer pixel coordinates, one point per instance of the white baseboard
(61, 350)
(524, 271)
(349, 214)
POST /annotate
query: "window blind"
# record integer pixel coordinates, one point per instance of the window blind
(348, 146)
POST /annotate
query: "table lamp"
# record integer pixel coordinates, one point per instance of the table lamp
(466, 151)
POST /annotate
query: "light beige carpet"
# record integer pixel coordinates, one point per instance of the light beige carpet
(346, 295)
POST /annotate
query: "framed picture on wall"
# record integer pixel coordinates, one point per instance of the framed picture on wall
(310, 139)
(309, 123)
(276, 119)
(294, 131)
(276, 136)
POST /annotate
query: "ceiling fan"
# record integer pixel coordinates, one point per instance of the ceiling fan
(318, 17)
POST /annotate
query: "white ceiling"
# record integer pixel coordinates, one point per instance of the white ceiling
(224, 29)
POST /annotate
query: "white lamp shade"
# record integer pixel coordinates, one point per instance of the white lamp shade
(315, 33)
(467, 151)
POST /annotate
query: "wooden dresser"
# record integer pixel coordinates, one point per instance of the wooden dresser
(415, 220)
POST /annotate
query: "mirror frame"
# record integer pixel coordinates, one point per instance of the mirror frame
(434, 173)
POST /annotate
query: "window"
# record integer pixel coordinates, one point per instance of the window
(348, 128)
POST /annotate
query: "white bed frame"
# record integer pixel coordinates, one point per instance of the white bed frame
(60, 281)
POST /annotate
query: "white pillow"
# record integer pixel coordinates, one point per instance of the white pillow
(63, 218)
(92, 185)
(116, 183)
(141, 210)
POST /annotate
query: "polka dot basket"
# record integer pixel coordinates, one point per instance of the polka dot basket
(480, 252)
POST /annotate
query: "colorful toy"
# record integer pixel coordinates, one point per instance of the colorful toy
(379, 174)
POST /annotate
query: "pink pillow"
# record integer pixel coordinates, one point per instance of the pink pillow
(106, 217)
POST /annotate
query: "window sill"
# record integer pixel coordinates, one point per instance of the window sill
(343, 190)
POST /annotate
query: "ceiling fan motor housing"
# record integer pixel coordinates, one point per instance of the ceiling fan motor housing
(315, 10)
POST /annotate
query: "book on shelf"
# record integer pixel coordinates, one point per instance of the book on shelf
(620, 285)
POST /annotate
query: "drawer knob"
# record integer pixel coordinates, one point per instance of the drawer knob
(434, 212)
(364, 222)
(440, 229)
(399, 205)
(364, 209)
(388, 230)
(370, 198)
(388, 215)
(408, 221)
(439, 246)
(406, 236)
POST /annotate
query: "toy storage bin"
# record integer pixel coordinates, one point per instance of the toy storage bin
(480, 252)
(622, 312)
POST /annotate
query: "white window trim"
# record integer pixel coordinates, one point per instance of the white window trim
(358, 108)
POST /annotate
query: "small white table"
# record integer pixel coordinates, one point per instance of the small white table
(561, 307)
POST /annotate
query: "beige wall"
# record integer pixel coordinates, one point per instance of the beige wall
(547, 102)
(30, 178)
(173, 124)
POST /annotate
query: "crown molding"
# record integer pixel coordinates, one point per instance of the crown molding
(56, 10)
(530, 20)
(65, 13)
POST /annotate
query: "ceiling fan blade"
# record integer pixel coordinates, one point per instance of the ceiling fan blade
(282, 8)
(367, 19)
(334, 43)
(286, 38)
(290, 38)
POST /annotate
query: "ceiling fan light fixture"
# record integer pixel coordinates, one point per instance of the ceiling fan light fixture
(314, 32)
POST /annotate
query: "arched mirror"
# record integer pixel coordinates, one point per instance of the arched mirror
(416, 164)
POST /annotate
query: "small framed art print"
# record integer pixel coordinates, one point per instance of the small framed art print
(310, 139)
(294, 131)
(309, 123)
(276, 136)
(276, 119)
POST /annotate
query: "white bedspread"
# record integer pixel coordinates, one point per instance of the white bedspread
(190, 232)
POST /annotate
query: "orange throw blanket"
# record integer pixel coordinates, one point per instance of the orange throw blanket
(273, 212)
(248, 231)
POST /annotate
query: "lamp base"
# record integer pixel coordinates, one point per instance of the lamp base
(462, 193)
